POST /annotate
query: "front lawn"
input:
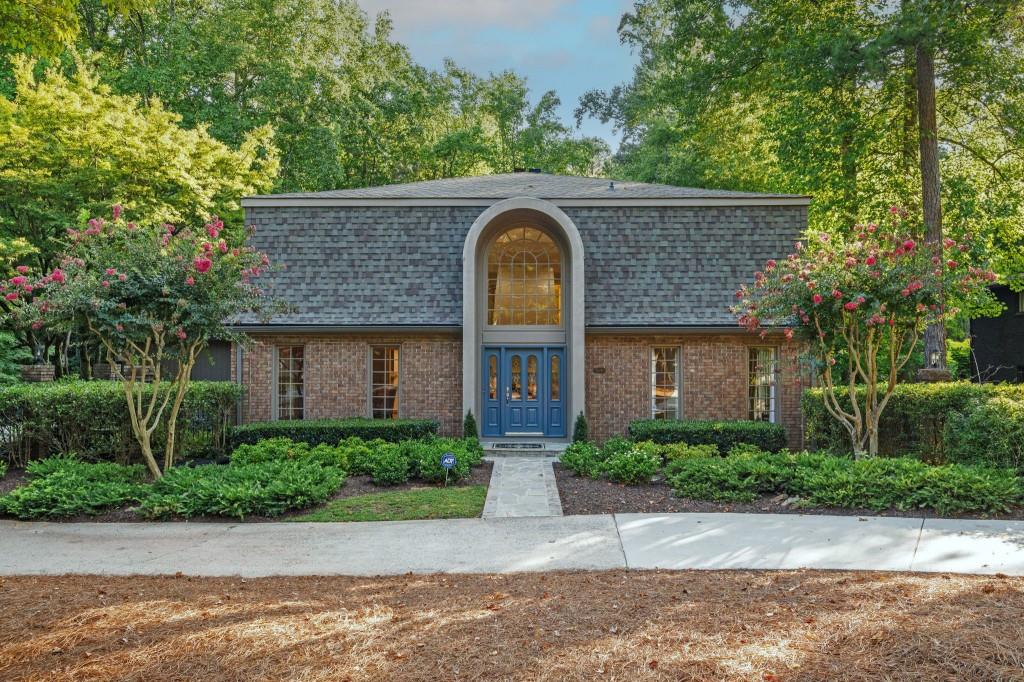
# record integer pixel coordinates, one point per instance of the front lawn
(404, 505)
(567, 626)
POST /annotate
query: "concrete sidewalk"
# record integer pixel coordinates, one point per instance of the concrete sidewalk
(635, 541)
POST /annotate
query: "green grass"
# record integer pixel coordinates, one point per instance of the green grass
(404, 505)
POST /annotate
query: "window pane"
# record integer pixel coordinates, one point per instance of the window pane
(524, 273)
(665, 383)
(492, 377)
(531, 377)
(762, 384)
(384, 394)
(517, 369)
(555, 387)
(290, 403)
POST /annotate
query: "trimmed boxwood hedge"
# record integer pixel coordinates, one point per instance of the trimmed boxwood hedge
(333, 431)
(90, 419)
(724, 434)
(914, 421)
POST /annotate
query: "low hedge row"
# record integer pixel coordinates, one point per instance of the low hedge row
(723, 434)
(332, 431)
(90, 419)
(623, 461)
(926, 420)
(817, 479)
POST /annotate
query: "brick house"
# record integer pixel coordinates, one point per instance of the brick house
(526, 297)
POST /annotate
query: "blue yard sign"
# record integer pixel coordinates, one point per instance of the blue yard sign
(448, 460)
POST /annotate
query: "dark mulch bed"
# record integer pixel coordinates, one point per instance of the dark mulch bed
(354, 485)
(582, 495)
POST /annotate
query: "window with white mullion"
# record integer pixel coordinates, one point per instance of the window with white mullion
(290, 394)
(665, 382)
(763, 389)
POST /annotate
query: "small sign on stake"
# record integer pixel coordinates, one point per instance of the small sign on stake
(448, 462)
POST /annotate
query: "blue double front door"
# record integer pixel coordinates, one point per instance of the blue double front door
(523, 391)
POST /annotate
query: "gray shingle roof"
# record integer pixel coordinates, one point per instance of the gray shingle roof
(540, 185)
(402, 265)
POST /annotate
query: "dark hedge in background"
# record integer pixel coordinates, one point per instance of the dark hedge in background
(724, 434)
(332, 431)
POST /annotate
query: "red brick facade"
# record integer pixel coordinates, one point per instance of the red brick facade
(714, 372)
(715, 376)
(337, 376)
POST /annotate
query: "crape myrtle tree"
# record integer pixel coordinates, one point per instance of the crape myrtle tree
(153, 297)
(864, 298)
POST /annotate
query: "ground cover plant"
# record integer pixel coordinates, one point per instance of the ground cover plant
(817, 479)
(404, 505)
(268, 488)
(649, 626)
(61, 487)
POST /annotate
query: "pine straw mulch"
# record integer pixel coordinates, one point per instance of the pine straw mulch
(617, 625)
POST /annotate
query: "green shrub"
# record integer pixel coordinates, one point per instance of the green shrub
(424, 458)
(579, 429)
(65, 486)
(616, 445)
(818, 479)
(724, 434)
(673, 451)
(276, 449)
(914, 420)
(268, 488)
(583, 459)
(360, 454)
(90, 418)
(991, 432)
(469, 429)
(390, 466)
(633, 466)
(331, 431)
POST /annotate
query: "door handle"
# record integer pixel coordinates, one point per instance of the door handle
(508, 394)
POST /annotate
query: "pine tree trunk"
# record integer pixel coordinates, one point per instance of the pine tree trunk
(935, 334)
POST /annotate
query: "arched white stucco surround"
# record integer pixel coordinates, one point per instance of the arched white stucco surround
(471, 341)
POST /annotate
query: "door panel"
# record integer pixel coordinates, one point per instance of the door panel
(492, 392)
(523, 390)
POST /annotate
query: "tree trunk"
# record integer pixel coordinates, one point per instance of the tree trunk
(935, 334)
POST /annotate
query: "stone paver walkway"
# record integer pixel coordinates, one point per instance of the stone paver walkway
(522, 486)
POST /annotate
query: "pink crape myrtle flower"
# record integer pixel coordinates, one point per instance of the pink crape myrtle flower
(202, 263)
(22, 269)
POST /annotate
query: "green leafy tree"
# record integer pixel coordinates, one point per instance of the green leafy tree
(69, 146)
(349, 105)
(153, 297)
(832, 99)
(859, 294)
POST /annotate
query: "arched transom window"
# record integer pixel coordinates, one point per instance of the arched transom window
(524, 279)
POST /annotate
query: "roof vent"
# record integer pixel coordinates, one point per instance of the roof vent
(611, 186)
(536, 170)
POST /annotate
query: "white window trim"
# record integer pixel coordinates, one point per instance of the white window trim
(275, 406)
(369, 375)
(773, 394)
(679, 378)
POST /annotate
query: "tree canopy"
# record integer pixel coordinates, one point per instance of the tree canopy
(819, 98)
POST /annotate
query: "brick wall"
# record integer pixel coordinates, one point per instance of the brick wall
(714, 376)
(336, 376)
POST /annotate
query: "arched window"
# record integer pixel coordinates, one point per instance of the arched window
(524, 279)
